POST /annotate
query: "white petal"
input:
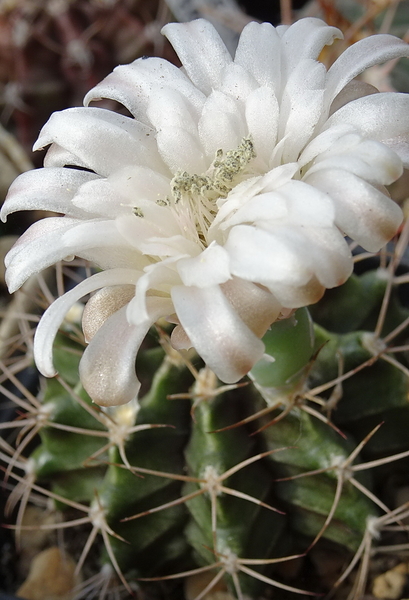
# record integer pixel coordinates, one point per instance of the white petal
(305, 39)
(262, 114)
(133, 85)
(365, 53)
(221, 124)
(99, 198)
(180, 150)
(352, 91)
(169, 108)
(372, 161)
(237, 82)
(301, 107)
(324, 141)
(101, 139)
(53, 317)
(92, 234)
(259, 52)
(157, 279)
(151, 236)
(201, 51)
(307, 206)
(210, 268)
(219, 336)
(53, 239)
(46, 189)
(297, 296)
(382, 117)
(362, 212)
(38, 248)
(258, 256)
(136, 183)
(60, 157)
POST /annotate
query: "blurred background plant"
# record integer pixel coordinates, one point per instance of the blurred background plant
(343, 487)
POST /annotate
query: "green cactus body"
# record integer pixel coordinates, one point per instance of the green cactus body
(183, 482)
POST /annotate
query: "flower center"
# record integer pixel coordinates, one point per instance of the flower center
(193, 199)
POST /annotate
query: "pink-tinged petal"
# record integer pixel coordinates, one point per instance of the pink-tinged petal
(209, 268)
(381, 117)
(102, 305)
(304, 40)
(365, 53)
(133, 86)
(362, 211)
(101, 139)
(46, 189)
(201, 51)
(107, 367)
(179, 339)
(255, 305)
(259, 52)
(352, 91)
(53, 317)
(218, 334)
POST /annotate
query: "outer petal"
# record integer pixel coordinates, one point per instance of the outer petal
(360, 56)
(362, 212)
(107, 367)
(305, 39)
(54, 315)
(46, 189)
(219, 336)
(38, 248)
(370, 160)
(102, 139)
(381, 117)
(133, 85)
(201, 51)
(255, 305)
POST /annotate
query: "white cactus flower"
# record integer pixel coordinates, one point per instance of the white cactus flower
(221, 203)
